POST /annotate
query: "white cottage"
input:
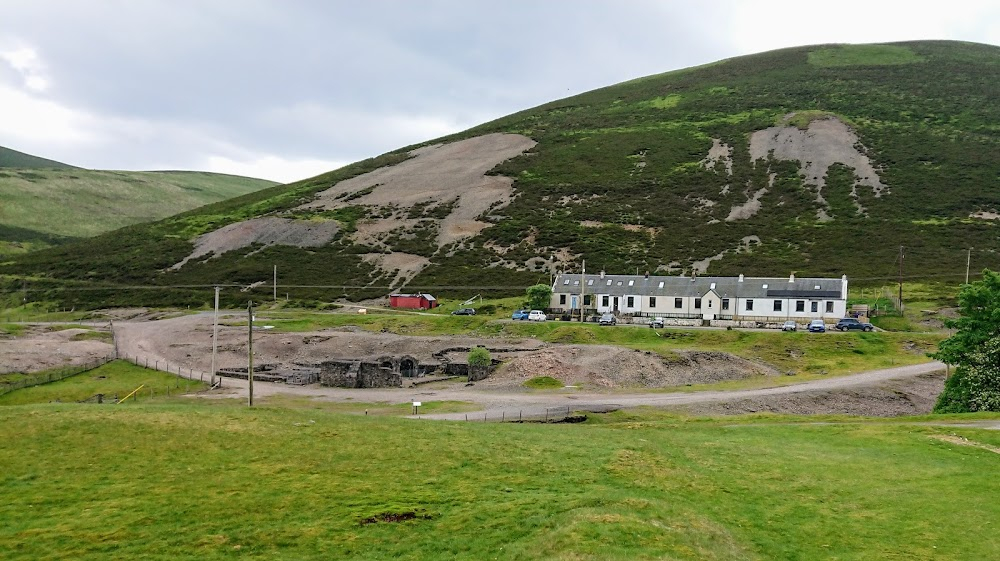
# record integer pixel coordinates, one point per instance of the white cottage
(706, 298)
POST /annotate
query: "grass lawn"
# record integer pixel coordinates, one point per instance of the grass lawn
(115, 378)
(189, 481)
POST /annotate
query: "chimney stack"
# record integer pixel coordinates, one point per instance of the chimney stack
(741, 277)
(602, 273)
(791, 277)
(647, 274)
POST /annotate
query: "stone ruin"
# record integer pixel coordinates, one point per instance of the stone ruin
(383, 372)
(297, 375)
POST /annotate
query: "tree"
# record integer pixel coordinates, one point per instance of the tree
(978, 322)
(974, 350)
(539, 296)
(975, 386)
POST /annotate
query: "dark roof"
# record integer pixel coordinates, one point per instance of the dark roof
(725, 287)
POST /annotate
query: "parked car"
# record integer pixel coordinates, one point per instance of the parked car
(656, 322)
(790, 325)
(536, 315)
(607, 319)
(817, 326)
(464, 312)
(520, 314)
(852, 324)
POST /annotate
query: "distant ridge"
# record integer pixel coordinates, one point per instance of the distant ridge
(14, 159)
(822, 160)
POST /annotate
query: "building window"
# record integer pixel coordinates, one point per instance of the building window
(814, 306)
(678, 303)
(829, 307)
(800, 305)
(562, 299)
(566, 281)
(777, 305)
(586, 299)
(631, 282)
(709, 303)
(697, 303)
(725, 303)
(630, 301)
(652, 301)
(604, 301)
(749, 305)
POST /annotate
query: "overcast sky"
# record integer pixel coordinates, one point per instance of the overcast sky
(288, 89)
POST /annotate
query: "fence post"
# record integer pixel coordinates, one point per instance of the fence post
(503, 416)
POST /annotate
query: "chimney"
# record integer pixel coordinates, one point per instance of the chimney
(602, 273)
(791, 277)
(741, 277)
(647, 274)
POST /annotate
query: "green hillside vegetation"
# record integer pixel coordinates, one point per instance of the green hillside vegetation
(14, 159)
(620, 177)
(213, 481)
(44, 207)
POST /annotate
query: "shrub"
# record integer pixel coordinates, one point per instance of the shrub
(480, 356)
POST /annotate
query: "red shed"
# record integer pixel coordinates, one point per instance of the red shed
(414, 301)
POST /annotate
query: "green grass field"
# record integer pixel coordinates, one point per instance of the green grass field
(193, 481)
(74, 203)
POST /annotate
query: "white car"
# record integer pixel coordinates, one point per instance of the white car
(536, 315)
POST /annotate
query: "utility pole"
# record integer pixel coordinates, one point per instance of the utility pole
(968, 263)
(250, 351)
(215, 334)
(900, 280)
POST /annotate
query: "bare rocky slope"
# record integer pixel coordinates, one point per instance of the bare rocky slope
(763, 165)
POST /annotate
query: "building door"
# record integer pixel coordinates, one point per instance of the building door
(616, 304)
(572, 302)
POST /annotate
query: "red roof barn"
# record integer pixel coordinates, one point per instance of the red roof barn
(413, 301)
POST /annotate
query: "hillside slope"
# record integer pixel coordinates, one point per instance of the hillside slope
(44, 207)
(14, 159)
(819, 160)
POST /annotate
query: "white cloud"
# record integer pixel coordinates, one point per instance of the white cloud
(761, 26)
(29, 65)
(28, 119)
(270, 167)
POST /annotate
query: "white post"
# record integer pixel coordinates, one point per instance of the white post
(215, 333)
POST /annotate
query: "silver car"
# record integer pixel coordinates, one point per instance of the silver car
(790, 325)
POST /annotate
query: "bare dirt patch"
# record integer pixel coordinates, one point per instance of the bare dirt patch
(826, 142)
(913, 396)
(439, 174)
(40, 348)
(602, 366)
(266, 231)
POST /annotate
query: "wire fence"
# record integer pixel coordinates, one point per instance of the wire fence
(53, 375)
(526, 415)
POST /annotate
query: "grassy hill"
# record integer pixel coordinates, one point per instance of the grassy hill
(43, 207)
(14, 159)
(204, 480)
(819, 160)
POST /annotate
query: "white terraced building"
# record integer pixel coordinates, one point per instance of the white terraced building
(705, 298)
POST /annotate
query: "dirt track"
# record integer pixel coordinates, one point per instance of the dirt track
(609, 376)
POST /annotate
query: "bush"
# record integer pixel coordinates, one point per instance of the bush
(480, 356)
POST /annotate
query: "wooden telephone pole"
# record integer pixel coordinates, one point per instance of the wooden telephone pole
(900, 280)
(250, 352)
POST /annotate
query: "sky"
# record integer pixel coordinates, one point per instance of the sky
(288, 89)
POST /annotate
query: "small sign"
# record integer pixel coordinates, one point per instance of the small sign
(416, 404)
